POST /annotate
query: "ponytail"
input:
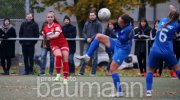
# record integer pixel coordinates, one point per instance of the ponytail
(127, 19)
(173, 15)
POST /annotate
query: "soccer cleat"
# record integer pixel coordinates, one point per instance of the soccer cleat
(65, 81)
(80, 74)
(148, 94)
(173, 74)
(118, 94)
(92, 75)
(84, 57)
(57, 78)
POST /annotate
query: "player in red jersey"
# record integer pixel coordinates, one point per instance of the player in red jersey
(58, 45)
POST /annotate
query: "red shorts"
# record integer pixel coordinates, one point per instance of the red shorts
(63, 47)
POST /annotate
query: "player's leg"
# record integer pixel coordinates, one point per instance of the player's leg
(57, 53)
(118, 58)
(116, 79)
(100, 38)
(173, 63)
(65, 55)
(152, 63)
(177, 70)
(149, 81)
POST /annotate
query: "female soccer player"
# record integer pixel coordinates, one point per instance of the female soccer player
(162, 48)
(121, 47)
(58, 45)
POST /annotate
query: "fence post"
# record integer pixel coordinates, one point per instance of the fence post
(27, 5)
(147, 53)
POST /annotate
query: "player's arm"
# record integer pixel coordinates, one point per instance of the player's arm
(56, 34)
(125, 35)
(172, 8)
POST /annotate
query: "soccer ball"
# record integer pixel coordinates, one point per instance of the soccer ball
(104, 14)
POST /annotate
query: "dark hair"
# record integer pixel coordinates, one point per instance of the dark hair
(5, 20)
(110, 21)
(145, 20)
(92, 11)
(155, 22)
(173, 15)
(55, 19)
(127, 19)
(29, 14)
(66, 17)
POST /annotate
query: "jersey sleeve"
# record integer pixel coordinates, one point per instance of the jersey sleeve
(162, 22)
(58, 28)
(124, 36)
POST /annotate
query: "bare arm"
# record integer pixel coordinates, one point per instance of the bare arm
(172, 8)
(56, 35)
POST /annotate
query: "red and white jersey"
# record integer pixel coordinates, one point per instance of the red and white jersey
(48, 30)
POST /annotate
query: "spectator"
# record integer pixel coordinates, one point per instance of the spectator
(28, 29)
(142, 32)
(91, 28)
(69, 31)
(44, 50)
(152, 37)
(176, 45)
(110, 31)
(7, 47)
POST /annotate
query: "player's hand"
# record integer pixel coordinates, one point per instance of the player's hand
(139, 36)
(89, 40)
(48, 37)
(172, 8)
(45, 46)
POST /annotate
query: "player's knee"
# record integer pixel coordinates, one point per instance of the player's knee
(113, 69)
(176, 67)
(98, 36)
(65, 58)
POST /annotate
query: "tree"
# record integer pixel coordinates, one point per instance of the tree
(81, 7)
(12, 9)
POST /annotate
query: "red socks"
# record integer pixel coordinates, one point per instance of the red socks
(65, 69)
(58, 64)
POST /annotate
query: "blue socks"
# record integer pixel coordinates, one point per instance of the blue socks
(92, 48)
(149, 81)
(178, 73)
(116, 81)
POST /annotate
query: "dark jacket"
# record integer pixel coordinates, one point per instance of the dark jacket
(110, 32)
(47, 41)
(177, 42)
(29, 30)
(91, 28)
(7, 47)
(140, 45)
(69, 31)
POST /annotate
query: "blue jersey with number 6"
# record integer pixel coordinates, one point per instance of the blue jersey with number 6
(164, 37)
(163, 45)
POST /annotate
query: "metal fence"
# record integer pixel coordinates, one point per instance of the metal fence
(38, 50)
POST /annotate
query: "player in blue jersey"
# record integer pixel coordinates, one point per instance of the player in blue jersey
(162, 48)
(121, 47)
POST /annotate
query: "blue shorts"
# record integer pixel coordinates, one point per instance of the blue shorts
(155, 57)
(119, 54)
